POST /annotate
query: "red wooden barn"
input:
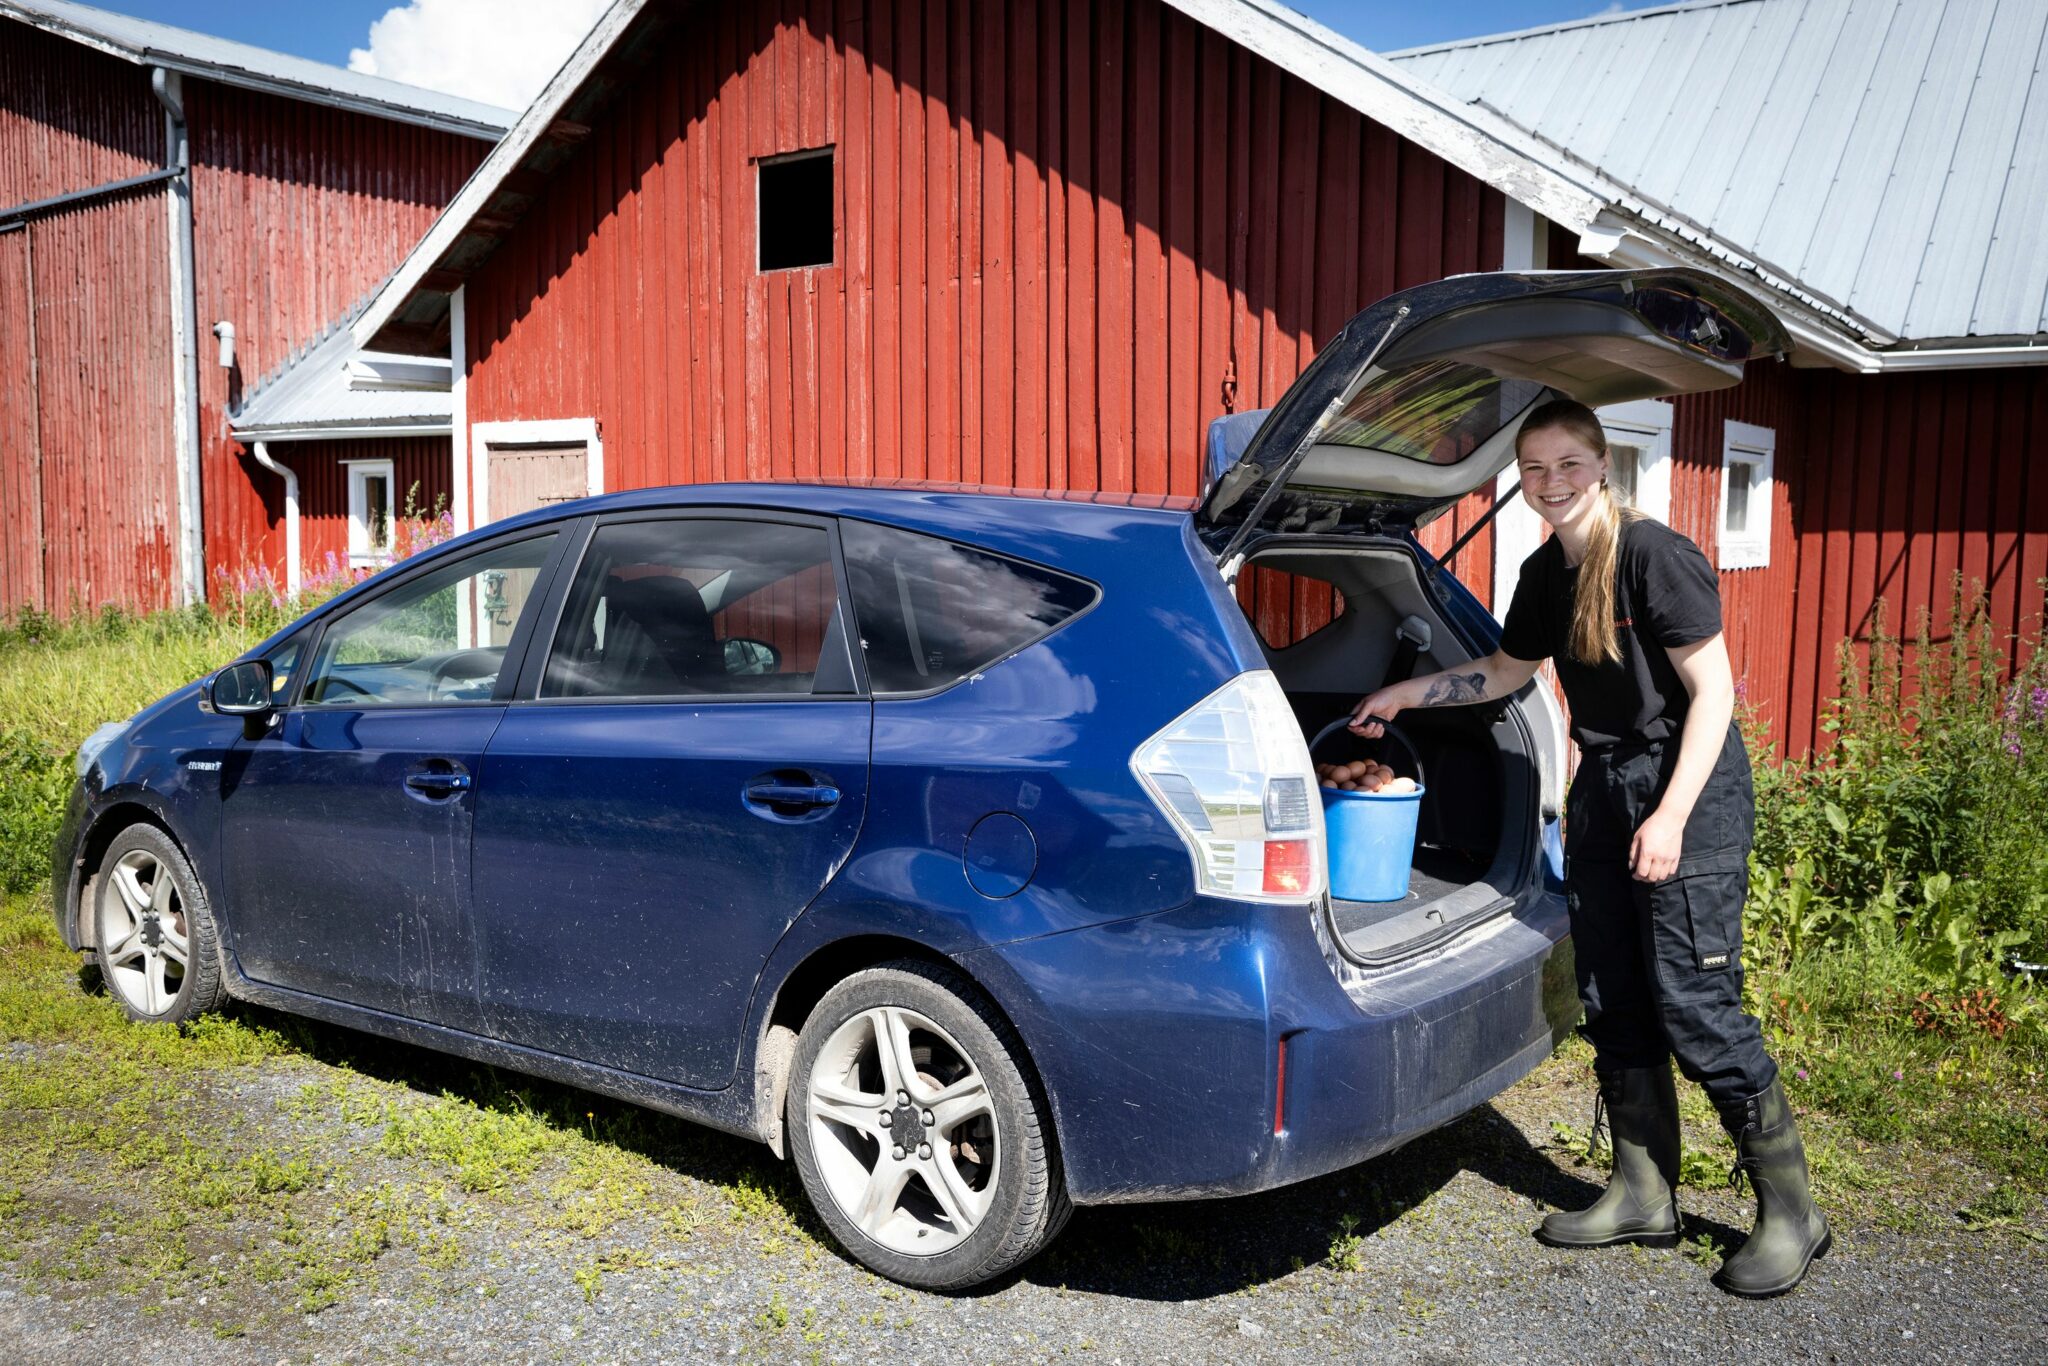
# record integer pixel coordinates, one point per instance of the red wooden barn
(155, 185)
(1043, 244)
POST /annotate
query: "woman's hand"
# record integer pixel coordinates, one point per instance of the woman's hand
(1654, 853)
(1382, 705)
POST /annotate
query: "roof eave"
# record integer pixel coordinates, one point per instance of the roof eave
(342, 431)
(252, 80)
(426, 259)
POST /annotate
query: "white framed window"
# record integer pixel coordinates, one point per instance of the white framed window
(1747, 455)
(370, 511)
(1639, 453)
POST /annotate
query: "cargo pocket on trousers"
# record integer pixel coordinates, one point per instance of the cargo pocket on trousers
(1713, 913)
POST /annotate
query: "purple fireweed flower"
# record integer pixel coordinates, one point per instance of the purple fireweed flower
(2037, 702)
(1800, 1073)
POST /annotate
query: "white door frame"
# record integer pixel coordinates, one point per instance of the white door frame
(565, 431)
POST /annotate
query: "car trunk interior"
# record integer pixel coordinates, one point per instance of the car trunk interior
(1475, 843)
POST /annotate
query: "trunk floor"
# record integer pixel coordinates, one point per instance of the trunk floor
(1435, 873)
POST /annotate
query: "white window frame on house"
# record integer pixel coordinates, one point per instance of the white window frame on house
(567, 431)
(1646, 424)
(360, 550)
(1749, 452)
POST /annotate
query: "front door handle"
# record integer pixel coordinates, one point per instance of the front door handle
(437, 784)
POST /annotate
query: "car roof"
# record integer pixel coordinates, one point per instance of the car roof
(1030, 524)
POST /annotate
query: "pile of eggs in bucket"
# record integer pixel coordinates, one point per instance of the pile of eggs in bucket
(1362, 775)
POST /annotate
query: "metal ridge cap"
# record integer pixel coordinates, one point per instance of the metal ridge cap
(1544, 30)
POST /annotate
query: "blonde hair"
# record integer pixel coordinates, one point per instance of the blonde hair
(1592, 639)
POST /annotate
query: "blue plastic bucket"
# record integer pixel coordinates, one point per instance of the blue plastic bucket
(1372, 842)
(1371, 834)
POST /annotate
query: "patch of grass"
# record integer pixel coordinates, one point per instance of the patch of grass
(1347, 1249)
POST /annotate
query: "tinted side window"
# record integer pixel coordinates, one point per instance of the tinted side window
(437, 638)
(693, 607)
(932, 612)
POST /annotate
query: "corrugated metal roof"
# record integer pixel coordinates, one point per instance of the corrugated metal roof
(202, 54)
(1889, 157)
(318, 392)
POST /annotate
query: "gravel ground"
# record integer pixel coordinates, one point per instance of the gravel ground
(1424, 1255)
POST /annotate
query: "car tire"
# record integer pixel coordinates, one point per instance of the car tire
(153, 930)
(978, 1189)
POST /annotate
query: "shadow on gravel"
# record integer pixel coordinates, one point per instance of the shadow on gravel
(1212, 1247)
(684, 1147)
(1182, 1251)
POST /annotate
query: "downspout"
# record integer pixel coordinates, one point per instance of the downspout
(169, 89)
(261, 450)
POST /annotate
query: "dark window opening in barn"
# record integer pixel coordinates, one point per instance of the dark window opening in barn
(793, 206)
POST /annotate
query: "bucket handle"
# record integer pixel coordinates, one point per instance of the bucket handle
(1388, 728)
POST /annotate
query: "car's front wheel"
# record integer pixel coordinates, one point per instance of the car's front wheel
(154, 930)
(917, 1131)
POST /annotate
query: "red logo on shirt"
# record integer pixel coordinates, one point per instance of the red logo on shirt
(1625, 621)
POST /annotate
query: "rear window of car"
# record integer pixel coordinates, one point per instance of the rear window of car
(932, 612)
(1438, 412)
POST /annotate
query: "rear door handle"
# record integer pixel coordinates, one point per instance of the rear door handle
(438, 784)
(792, 794)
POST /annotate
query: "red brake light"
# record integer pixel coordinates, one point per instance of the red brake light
(1287, 866)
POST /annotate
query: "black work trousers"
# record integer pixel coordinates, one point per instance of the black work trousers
(1660, 963)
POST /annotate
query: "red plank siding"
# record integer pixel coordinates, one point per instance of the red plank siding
(1048, 273)
(86, 466)
(419, 467)
(298, 211)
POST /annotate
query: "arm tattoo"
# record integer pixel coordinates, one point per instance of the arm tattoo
(1452, 689)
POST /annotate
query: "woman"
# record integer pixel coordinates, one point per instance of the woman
(1657, 835)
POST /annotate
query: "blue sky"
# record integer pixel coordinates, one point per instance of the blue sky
(325, 31)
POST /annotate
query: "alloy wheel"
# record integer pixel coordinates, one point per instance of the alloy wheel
(148, 946)
(904, 1131)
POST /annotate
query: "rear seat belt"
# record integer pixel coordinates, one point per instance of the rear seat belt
(1411, 638)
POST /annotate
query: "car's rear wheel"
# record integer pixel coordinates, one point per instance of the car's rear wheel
(154, 930)
(917, 1131)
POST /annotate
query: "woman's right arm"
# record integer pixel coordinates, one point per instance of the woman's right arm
(1483, 680)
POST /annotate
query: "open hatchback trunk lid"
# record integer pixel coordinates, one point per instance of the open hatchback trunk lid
(1417, 401)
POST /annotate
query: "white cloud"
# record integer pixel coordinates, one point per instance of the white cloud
(499, 51)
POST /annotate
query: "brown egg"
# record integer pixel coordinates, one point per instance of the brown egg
(1348, 786)
(1357, 769)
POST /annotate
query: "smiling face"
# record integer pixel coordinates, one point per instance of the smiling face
(1561, 477)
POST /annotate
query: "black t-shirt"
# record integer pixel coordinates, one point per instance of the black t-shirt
(1665, 595)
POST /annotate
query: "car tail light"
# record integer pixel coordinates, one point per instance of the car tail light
(1233, 775)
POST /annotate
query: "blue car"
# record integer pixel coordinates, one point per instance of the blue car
(964, 847)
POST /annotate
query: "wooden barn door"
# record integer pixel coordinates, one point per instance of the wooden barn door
(526, 477)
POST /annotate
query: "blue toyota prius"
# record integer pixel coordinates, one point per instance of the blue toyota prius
(963, 847)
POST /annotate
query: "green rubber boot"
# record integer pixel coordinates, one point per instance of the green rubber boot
(1790, 1229)
(1640, 1204)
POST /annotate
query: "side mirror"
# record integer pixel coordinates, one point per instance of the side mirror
(244, 690)
(744, 656)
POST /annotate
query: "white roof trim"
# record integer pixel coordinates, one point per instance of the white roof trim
(223, 60)
(342, 431)
(503, 160)
(1476, 141)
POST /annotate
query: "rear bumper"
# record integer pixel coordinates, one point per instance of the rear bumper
(1160, 1042)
